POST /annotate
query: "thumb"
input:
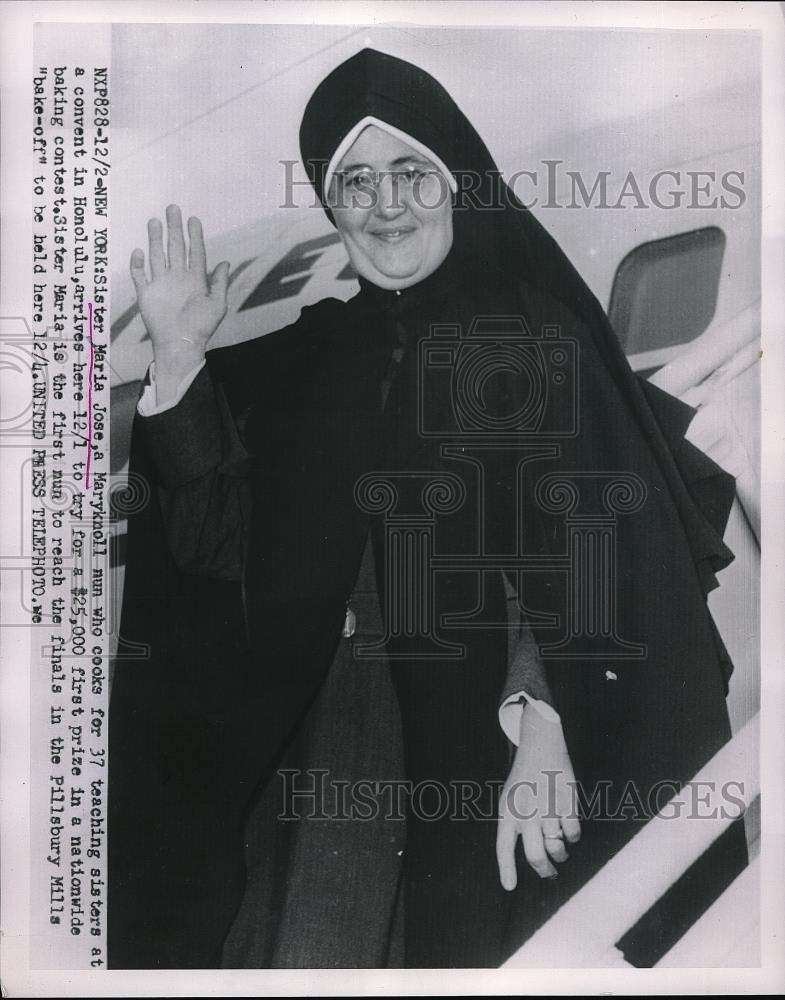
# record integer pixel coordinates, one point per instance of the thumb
(219, 281)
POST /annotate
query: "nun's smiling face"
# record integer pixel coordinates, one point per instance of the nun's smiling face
(393, 210)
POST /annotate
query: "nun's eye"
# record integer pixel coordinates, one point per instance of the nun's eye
(363, 181)
(410, 176)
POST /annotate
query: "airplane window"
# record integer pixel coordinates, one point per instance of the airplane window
(665, 291)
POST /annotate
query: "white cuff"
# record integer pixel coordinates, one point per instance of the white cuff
(148, 404)
(511, 709)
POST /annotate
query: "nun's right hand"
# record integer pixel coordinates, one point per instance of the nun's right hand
(180, 305)
(538, 802)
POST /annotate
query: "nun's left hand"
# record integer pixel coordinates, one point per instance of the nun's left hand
(538, 801)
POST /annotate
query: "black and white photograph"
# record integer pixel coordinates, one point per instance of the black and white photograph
(397, 476)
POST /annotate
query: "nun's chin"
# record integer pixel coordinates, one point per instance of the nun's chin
(385, 279)
(397, 265)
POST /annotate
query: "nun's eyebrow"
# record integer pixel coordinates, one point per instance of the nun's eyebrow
(399, 161)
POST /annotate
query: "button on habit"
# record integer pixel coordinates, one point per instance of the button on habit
(350, 624)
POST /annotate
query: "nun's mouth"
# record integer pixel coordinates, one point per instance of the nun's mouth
(394, 234)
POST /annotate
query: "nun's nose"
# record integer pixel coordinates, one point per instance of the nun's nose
(389, 200)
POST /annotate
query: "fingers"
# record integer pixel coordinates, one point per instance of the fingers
(572, 828)
(506, 836)
(176, 254)
(175, 244)
(219, 280)
(553, 842)
(155, 237)
(534, 849)
(138, 276)
(197, 259)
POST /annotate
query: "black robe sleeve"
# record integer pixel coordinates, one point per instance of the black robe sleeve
(200, 464)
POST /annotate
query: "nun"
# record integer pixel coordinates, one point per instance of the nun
(440, 534)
